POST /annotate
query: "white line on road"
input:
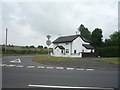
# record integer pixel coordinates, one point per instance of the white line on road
(19, 66)
(69, 68)
(10, 65)
(40, 67)
(71, 87)
(3, 65)
(30, 66)
(60, 68)
(90, 69)
(49, 67)
(80, 69)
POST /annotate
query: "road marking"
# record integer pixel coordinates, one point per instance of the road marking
(40, 67)
(10, 65)
(80, 69)
(71, 87)
(16, 61)
(49, 67)
(30, 66)
(90, 69)
(60, 68)
(3, 65)
(69, 68)
(19, 66)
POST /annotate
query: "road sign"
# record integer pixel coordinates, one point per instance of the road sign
(48, 42)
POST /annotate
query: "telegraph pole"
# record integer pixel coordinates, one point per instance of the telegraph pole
(6, 40)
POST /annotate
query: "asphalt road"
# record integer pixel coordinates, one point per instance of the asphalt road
(29, 73)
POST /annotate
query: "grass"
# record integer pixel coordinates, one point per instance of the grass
(45, 58)
(111, 61)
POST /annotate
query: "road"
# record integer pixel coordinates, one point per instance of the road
(29, 74)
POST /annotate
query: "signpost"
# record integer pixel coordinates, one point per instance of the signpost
(48, 42)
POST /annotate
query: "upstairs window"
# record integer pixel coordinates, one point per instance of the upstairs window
(67, 43)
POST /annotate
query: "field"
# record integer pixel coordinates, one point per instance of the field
(22, 50)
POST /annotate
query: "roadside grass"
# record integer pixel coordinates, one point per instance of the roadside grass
(111, 61)
(45, 58)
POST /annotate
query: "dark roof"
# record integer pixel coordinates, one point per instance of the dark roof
(61, 47)
(68, 39)
(88, 46)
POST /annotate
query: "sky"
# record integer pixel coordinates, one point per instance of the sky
(29, 23)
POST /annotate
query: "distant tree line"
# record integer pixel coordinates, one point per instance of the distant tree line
(32, 46)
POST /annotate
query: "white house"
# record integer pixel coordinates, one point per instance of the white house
(71, 46)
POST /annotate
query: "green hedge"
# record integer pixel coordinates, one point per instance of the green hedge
(12, 51)
(108, 51)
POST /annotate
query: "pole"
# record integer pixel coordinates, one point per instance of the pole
(48, 53)
(6, 40)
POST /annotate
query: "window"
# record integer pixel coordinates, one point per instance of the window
(67, 50)
(61, 51)
(74, 51)
(67, 43)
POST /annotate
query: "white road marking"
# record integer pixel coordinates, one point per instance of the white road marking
(80, 69)
(30, 66)
(71, 87)
(40, 67)
(69, 68)
(59, 68)
(19, 66)
(10, 65)
(16, 61)
(90, 69)
(3, 65)
(49, 67)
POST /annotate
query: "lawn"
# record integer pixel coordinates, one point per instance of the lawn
(45, 58)
(111, 61)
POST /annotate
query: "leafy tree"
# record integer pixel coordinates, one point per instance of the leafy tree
(115, 38)
(84, 32)
(97, 37)
(26, 46)
(32, 46)
(45, 47)
(107, 42)
(40, 46)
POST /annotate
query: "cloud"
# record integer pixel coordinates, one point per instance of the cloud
(34, 20)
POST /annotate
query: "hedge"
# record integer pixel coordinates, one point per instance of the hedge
(108, 51)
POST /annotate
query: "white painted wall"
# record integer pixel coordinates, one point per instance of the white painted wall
(75, 45)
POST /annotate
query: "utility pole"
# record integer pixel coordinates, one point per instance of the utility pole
(6, 40)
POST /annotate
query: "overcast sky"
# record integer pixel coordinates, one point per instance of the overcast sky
(28, 23)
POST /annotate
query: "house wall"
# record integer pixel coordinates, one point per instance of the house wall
(66, 46)
(77, 45)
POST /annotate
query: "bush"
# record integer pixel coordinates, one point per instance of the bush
(108, 51)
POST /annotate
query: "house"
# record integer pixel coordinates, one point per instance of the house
(71, 46)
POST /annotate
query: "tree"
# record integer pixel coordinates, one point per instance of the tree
(40, 46)
(45, 47)
(115, 38)
(84, 32)
(96, 37)
(107, 42)
(32, 46)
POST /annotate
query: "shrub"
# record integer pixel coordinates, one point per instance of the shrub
(108, 51)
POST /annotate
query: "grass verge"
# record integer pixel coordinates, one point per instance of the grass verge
(45, 58)
(111, 61)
